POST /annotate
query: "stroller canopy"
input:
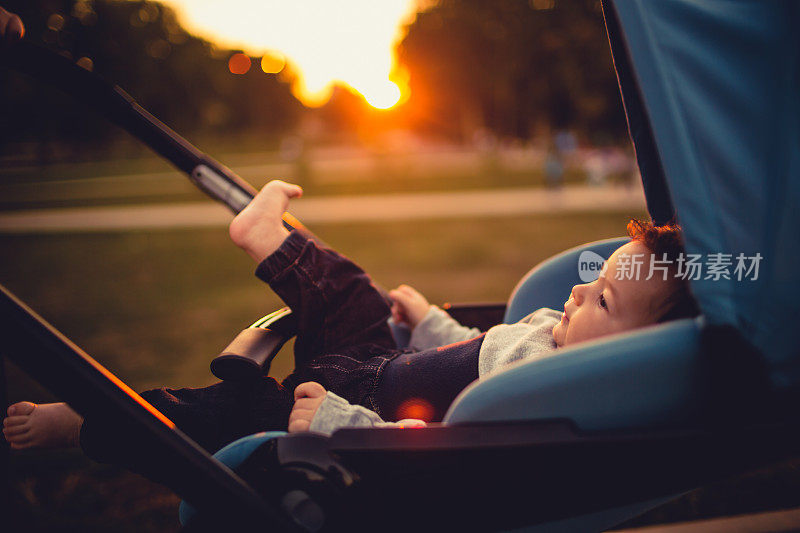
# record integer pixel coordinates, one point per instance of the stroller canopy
(720, 84)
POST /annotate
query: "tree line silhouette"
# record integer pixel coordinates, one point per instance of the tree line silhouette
(512, 67)
(509, 68)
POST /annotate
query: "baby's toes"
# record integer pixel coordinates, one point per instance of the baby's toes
(12, 432)
(21, 409)
(15, 420)
(21, 443)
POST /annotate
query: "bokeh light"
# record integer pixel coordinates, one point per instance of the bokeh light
(55, 22)
(239, 63)
(159, 49)
(415, 408)
(146, 14)
(86, 63)
(83, 11)
(273, 62)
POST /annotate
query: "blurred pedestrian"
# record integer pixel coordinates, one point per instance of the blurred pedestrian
(553, 167)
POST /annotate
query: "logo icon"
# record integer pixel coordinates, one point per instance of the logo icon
(590, 265)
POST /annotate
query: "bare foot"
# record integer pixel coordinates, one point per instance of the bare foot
(47, 425)
(259, 229)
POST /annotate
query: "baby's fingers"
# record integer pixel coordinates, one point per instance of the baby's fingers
(408, 290)
(306, 404)
(298, 425)
(309, 389)
(413, 296)
(400, 303)
(399, 315)
(399, 296)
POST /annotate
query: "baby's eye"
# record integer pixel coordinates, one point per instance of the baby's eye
(602, 301)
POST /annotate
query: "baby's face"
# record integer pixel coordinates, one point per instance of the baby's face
(609, 305)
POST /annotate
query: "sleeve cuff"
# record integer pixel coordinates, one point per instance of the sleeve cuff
(420, 335)
(438, 328)
(335, 412)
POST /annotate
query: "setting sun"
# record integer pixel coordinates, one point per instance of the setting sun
(384, 96)
(349, 42)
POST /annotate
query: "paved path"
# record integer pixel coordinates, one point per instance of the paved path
(332, 209)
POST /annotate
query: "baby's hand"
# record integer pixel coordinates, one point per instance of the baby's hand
(308, 397)
(409, 306)
(11, 28)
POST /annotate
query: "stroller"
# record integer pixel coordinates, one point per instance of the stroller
(603, 431)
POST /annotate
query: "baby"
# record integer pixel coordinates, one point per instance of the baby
(611, 304)
(349, 371)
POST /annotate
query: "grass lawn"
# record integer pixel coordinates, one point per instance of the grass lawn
(156, 307)
(151, 180)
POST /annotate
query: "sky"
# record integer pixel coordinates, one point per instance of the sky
(326, 41)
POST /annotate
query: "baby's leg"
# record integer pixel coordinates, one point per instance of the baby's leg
(397, 385)
(212, 416)
(424, 384)
(47, 425)
(335, 303)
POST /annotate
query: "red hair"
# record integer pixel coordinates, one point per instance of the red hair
(660, 240)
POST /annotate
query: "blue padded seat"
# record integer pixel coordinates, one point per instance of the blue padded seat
(646, 378)
(639, 379)
(231, 456)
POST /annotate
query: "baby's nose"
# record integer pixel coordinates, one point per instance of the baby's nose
(571, 295)
(578, 293)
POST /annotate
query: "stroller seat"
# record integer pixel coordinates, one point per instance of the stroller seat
(647, 364)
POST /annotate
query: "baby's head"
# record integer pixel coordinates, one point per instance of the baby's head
(618, 301)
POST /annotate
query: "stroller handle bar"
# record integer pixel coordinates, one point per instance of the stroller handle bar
(213, 178)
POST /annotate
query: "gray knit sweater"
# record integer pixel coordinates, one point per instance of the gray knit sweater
(530, 338)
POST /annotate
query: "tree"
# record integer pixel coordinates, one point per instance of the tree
(509, 65)
(140, 46)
